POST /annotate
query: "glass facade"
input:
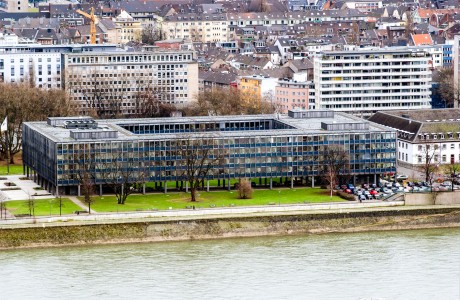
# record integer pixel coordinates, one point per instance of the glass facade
(260, 148)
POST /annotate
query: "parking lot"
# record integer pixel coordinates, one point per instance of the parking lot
(390, 187)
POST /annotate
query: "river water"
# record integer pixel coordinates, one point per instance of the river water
(418, 264)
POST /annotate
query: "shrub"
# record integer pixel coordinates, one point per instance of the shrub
(343, 195)
(244, 189)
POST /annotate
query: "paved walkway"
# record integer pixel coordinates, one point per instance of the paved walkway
(82, 205)
(17, 187)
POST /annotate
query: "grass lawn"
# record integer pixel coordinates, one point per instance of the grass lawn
(42, 207)
(212, 199)
(14, 170)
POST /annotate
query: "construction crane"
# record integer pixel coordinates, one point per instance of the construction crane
(94, 21)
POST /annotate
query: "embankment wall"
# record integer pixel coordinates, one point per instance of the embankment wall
(224, 227)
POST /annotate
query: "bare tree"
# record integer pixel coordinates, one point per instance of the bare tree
(86, 174)
(336, 162)
(22, 103)
(228, 102)
(448, 90)
(409, 26)
(355, 34)
(123, 172)
(197, 158)
(452, 171)
(429, 165)
(148, 101)
(102, 96)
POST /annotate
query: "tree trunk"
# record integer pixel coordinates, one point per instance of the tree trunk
(193, 193)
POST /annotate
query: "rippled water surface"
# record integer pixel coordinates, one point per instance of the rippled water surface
(420, 264)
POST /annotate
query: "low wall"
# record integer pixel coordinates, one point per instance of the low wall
(393, 218)
(438, 198)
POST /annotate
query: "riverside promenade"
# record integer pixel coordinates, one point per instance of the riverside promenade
(213, 213)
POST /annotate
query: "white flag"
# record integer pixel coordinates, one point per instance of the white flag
(4, 125)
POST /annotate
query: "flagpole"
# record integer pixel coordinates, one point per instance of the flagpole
(7, 152)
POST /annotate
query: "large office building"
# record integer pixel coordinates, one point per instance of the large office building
(366, 81)
(98, 79)
(255, 146)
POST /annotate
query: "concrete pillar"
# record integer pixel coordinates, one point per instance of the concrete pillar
(313, 181)
(207, 185)
(265, 181)
(223, 183)
(271, 183)
(292, 182)
(78, 191)
(186, 186)
(375, 178)
(260, 181)
(143, 189)
(166, 187)
(181, 185)
(218, 182)
(100, 190)
(354, 179)
(57, 191)
(281, 180)
(229, 187)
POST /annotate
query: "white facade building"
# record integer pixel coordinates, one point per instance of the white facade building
(366, 81)
(429, 133)
(38, 63)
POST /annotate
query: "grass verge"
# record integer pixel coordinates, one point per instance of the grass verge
(42, 207)
(212, 199)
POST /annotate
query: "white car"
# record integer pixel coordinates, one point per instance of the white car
(401, 177)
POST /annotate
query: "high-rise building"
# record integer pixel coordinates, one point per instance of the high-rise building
(366, 81)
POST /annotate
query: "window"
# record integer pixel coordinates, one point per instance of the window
(420, 147)
(444, 146)
(452, 146)
(419, 159)
(444, 158)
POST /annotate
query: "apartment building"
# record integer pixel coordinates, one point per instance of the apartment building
(260, 86)
(292, 94)
(370, 80)
(39, 64)
(255, 146)
(129, 28)
(98, 80)
(196, 27)
(424, 134)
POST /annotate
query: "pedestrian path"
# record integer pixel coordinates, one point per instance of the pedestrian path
(82, 205)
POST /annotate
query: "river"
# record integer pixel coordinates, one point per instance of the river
(417, 264)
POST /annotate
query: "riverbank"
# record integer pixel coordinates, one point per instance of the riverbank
(227, 226)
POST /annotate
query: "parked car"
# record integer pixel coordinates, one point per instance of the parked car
(348, 191)
(361, 197)
(376, 196)
(401, 177)
(373, 192)
(388, 185)
(396, 184)
(387, 191)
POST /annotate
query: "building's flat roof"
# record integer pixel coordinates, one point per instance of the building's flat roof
(301, 127)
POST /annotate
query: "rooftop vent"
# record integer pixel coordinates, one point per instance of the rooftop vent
(310, 114)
